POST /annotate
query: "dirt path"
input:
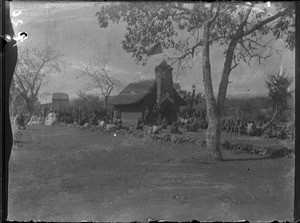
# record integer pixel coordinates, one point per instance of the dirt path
(61, 174)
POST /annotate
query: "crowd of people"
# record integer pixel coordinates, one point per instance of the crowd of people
(153, 123)
(157, 124)
(251, 128)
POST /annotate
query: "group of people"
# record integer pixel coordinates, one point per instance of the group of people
(151, 115)
(191, 124)
(250, 128)
(153, 123)
(101, 121)
(157, 127)
(233, 127)
(36, 119)
(22, 120)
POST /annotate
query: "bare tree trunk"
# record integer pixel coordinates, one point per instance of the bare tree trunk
(30, 107)
(213, 137)
(106, 102)
(213, 133)
(274, 115)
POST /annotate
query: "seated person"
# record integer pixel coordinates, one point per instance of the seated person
(101, 123)
(140, 124)
(194, 126)
(93, 120)
(110, 127)
(149, 130)
(157, 128)
(164, 123)
(68, 120)
(174, 128)
(119, 124)
(84, 119)
(110, 121)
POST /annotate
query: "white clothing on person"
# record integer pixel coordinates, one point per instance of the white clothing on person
(250, 128)
(34, 120)
(101, 124)
(51, 119)
(149, 130)
(156, 128)
(110, 127)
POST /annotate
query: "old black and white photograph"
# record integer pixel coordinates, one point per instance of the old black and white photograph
(147, 111)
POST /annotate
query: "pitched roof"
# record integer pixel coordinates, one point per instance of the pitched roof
(136, 92)
(133, 93)
(178, 99)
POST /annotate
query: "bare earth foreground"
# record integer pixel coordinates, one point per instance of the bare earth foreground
(61, 174)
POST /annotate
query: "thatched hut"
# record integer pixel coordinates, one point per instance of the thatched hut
(132, 101)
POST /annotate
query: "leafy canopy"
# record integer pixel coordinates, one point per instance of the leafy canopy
(279, 90)
(178, 26)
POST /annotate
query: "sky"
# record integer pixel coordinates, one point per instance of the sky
(73, 30)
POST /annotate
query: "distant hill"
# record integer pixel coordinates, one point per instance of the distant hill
(256, 102)
(245, 96)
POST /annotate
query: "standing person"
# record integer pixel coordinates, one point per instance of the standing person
(154, 114)
(175, 129)
(254, 128)
(157, 128)
(236, 127)
(228, 126)
(139, 124)
(250, 128)
(223, 125)
(259, 129)
(118, 114)
(240, 128)
(164, 123)
(93, 120)
(146, 116)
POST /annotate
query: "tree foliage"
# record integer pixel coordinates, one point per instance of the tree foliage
(195, 102)
(33, 66)
(280, 92)
(86, 104)
(179, 27)
(16, 102)
(101, 77)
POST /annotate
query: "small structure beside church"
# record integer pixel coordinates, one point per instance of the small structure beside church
(60, 103)
(133, 100)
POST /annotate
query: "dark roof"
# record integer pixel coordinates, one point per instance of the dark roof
(136, 92)
(133, 93)
(178, 99)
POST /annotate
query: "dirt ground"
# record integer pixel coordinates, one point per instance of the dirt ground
(61, 174)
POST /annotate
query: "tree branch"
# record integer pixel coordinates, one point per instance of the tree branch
(264, 22)
(239, 31)
(211, 20)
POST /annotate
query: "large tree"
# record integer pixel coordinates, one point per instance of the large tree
(33, 66)
(242, 30)
(101, 77)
